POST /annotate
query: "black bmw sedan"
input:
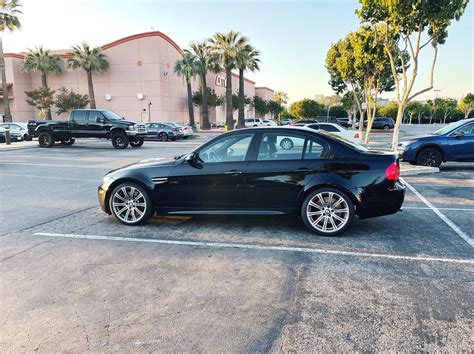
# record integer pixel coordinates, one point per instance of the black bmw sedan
(261, 171)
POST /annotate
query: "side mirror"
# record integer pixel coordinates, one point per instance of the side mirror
(194, 160)
(458, 134)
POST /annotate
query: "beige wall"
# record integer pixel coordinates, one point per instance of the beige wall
(141, 64)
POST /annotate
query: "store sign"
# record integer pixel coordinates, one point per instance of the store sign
(221, 81)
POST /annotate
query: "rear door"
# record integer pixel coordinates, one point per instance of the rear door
(283, 163)
(78, 123)
(461, 144)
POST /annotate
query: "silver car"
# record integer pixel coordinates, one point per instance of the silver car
(21, 128)
(184, 128)
(162, 132)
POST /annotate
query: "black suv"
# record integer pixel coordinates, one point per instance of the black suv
(385, 123)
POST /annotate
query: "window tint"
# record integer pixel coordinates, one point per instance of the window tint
(94, 116)
(314, 126)
(79, 116)
(232, 148)
(328, 128)
(313, 150)
(468, 130)
(280, 146)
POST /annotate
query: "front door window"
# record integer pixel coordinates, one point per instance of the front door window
(230, 149)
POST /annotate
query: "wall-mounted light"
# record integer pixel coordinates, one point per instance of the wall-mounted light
(108, 97)
(140, 96)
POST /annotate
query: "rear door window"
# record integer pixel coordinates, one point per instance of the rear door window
(328, 128)
(79, 116)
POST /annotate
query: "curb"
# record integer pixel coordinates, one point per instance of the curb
(419, 170)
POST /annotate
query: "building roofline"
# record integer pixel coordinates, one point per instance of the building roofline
(265, 88)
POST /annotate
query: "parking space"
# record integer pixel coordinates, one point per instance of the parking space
(230, 283)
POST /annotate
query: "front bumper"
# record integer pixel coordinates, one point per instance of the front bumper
(135, 134)
(379, 203)
(101, 194)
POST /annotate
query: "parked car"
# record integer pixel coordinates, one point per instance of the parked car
(15, 135)
(269, 123)
(323, 178)
(326, 119)
(303, 122)
(454, 142)
(162, 132)
(336, 129)
(253, 122)
(385, 123)
(183, 128)
(88, 123)
(17, 126)
(344, 122)
(285, 121)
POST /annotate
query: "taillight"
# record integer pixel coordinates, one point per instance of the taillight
(392, 172)
(356, 135)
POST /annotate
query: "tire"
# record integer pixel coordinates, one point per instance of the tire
(186, 137)
(255, 125)
(386, 128)
(429, 157)
(287, 144)
(321, 208)
(163, 136)
(120, 140)
(68, 142)
(130, 204)
(137, 142)
(46, 139)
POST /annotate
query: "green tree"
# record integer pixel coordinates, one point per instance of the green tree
(67, 100)
(226, 47)
(407, 22)
(417, 109)
(91, 60)
(9, 20)
(247, 59)
(274, 108)
(42, 99)
(431, 106)
(236, 101)
(388, 110)
(306, 109)
(205, 62)
(447, 106)
(260, 105)
(466, 105)
(281, 98)
(349, 104)
(213, 100)
(187, 68)
(43, 61)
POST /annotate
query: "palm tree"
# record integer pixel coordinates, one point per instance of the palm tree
(204, 62)
(187, 68)
(226, 47)
(91, 60)
(43, 61)
(281, 98)
(247, 59)
(9, 19)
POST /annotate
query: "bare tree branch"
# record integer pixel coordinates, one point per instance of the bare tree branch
(431, 77)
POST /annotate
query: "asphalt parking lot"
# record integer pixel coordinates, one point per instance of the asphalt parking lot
(73, 279)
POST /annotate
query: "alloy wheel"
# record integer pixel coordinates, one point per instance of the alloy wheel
(328, 212)
(430, 158)
(129, 204)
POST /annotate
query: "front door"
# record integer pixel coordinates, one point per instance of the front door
(461, 144)
(96, 125)
(282, 167)
(214, 180)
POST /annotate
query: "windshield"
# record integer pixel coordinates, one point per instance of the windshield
(111, 115)
(449, 128)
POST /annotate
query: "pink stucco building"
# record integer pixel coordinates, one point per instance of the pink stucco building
(141, 72)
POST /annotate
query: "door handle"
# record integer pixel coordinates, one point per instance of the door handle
(233, 172)
(303, 169)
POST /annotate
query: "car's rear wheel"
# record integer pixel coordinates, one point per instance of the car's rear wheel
(163, 136)
(429, 157)
(69, 141)
(120, 140)
(327, 211)
(130, 204)
(46, 139)
(137, 142)
(286, 144)
(386, 128)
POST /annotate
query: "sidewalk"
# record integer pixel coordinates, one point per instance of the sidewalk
(21, 145)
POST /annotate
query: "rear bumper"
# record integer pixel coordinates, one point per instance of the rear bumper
(380, 203)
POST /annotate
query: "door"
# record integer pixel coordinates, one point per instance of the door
(461, 144)
(283, 166)
(78, 123)
(96, 126)
(214, 180)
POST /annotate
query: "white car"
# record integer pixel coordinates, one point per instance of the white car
(269, 122)
(253, 122)
(337, 130)
(184, 128)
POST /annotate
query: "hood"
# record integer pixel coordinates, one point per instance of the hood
(165, 164)
(418, 137)
(126, 122)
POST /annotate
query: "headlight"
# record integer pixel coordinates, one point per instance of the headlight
(107, 181)
(405, 143)
(131, 127)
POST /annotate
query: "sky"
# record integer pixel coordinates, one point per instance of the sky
(292, 36)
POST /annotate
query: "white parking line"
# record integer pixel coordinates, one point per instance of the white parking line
(259, 247)
(50, 177)
(443, 217)
(439, 208)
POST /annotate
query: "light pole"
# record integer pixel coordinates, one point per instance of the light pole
(149, 111)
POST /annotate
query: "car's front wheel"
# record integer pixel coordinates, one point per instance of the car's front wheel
(429, 157)
(327, 211)
(386, 128)
(120, 140)
(130, 204)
